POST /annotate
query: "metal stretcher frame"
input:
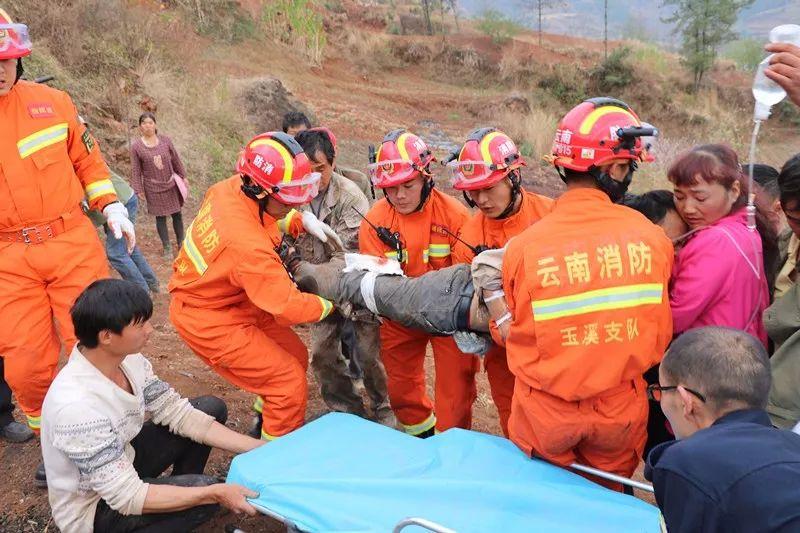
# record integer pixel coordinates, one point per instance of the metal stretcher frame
(438, 528)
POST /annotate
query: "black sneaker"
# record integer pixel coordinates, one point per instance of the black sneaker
(40, 478)
(16, 432)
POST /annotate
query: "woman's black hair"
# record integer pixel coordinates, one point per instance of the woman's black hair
(652, 204)
(109, 304)
(144, 116)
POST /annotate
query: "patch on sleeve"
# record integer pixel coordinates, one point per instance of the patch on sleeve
(41, 110)
(88, 140)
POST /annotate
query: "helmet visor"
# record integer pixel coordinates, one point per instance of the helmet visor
(471, 174)
(14, 38)
(391, 172)
(299, 192)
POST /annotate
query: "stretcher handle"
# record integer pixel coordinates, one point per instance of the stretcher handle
(421, 522)
(613, 477)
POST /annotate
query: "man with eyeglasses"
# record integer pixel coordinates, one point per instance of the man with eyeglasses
(729, 469)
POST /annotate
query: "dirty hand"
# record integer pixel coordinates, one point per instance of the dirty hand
(233, 497)
(117, 220)
(319, 229)
(290, 257)
(472, 343)
(784, 68)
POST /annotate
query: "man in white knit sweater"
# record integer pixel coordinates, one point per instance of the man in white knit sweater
(102, 459)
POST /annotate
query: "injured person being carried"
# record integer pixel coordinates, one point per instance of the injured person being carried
(459, 300)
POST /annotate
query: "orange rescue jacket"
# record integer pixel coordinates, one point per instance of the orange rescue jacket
(48, 159)
(228, 257)
(482, 230)
(426, 246)
(587, 287)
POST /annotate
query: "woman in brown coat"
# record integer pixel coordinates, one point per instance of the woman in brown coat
(154, 162)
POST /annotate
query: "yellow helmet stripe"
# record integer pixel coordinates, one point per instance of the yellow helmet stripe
(288, 164)
(487, 157)
(5, 17)
(401, 147)
(589, 122)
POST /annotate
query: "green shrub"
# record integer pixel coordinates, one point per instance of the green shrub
(296, 22)
(746, 53)
(566, 83)
(497, 26)
(613, 74)
(222, 19)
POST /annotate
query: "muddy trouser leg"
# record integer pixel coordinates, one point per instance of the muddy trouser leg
(368, 347)
(336, 386)
(349, 350)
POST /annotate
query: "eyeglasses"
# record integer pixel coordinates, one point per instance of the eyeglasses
(654, 392)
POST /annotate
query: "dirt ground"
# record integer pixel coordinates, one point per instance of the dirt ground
(25, 508)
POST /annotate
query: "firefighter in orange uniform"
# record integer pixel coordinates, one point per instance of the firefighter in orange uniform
(587, 289)
(49, 250)
(233, 301)
(418, 223)
(487, 170)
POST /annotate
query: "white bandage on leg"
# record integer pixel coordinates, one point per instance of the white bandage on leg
(368, 291)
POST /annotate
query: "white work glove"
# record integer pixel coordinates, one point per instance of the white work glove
(320, 230)
(117, 220)
(472, 343)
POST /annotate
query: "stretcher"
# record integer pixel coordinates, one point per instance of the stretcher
(342, 473)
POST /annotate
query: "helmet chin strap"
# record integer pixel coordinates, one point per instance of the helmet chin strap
(615, 189)
(20, 70)
(427, 187)
(256, 193)
(516, 190)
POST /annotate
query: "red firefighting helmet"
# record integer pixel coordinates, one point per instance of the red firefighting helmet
(276, 162)
(401, 157)
(486, 158)
(14, 40)
(594, 132)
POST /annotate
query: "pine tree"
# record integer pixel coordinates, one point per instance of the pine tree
(704, 25)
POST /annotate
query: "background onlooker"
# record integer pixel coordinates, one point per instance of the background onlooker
(788, 183)
(294, 122)
(782, 318)
(729, 470)
(154, 161)
(130, 266)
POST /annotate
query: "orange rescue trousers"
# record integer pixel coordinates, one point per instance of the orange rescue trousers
(501, 383)
(607, 431)
(38, 285)
(245, 345)
(403, 353)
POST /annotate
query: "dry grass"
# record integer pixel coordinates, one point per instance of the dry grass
(533, 132)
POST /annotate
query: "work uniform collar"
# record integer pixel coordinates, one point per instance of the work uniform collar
(752, 416)
(332, 195)
(583, 194)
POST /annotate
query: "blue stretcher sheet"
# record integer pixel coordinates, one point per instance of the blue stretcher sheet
(343, 473)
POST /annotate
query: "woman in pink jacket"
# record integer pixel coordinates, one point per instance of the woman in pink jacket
(718, 278)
